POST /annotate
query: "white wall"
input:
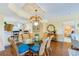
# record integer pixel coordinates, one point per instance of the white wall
(11, 20)
(60, 24)
(1, 35)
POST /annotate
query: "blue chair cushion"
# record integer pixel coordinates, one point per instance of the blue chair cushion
(23, 48)
(35, 48)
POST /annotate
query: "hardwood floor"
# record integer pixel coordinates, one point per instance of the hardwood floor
(58, 49)
(7, 52)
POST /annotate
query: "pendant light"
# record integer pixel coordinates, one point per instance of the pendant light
(36, 19)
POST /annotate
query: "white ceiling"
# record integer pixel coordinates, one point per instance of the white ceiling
(51, 9)
(60, 9)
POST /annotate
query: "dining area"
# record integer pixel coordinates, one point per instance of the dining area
(29, 44)
(29, 37)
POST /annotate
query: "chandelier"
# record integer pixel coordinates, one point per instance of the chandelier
(35, 19)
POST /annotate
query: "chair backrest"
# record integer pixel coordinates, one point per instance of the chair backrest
(20, 38)
(48, 43)
(42, 48)
(13, 46)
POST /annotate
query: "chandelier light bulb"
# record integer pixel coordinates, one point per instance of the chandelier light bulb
(35, 23)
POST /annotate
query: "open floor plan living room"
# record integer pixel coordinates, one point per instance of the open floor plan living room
(39, 29)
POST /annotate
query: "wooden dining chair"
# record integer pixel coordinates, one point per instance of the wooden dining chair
(43, 47)
(48, 47)
(20, 49)
(13, 46)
